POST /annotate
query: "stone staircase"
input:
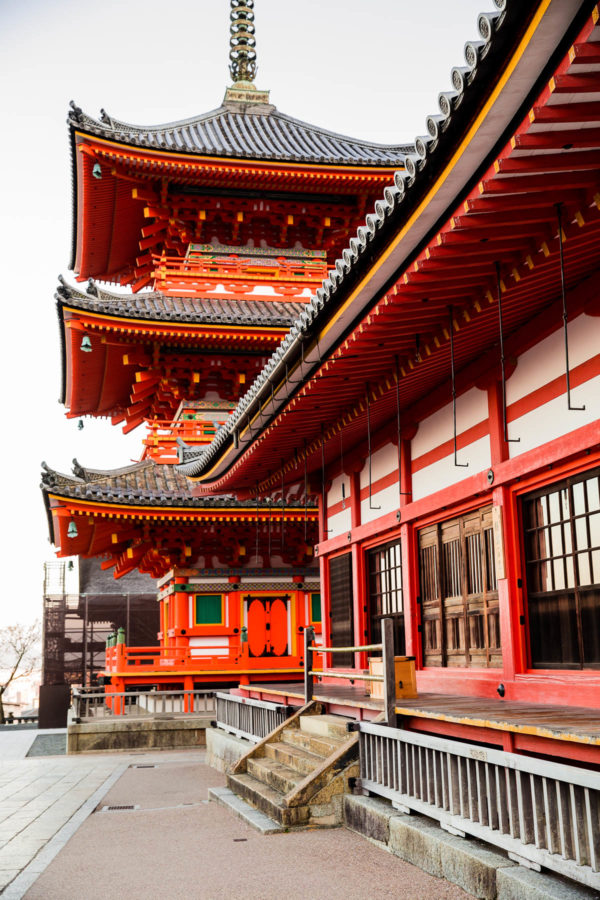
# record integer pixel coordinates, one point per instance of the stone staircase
(299, 773)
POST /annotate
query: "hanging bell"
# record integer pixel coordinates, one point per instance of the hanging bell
(97, 171)
(86, 344)
(80, 424)
(72, 529)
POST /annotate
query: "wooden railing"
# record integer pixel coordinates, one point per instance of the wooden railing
(161, 440)
(542, 813)
(88, 705)
(247, 718)
(388, 678)
(239, 276)
(120, 657)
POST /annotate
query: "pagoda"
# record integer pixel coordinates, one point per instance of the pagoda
(217, 230)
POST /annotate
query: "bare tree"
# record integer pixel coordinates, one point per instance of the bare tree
(20, 655)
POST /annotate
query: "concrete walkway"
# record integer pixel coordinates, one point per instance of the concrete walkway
(15, 742)
(173, 843)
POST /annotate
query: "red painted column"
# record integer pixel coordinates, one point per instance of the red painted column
(410, 593)
(498, 446)
(359, 603)
(509, 599)
(180, 603)
(325, 609)
(358, 574)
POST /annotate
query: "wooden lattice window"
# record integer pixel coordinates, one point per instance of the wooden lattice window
(384, 567)
(342, 612)
(562, 551)
(459, 593)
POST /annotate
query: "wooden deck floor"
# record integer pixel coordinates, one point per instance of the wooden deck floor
(578, 724)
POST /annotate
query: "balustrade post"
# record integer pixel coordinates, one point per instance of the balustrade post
(309, 636)
(389, 672)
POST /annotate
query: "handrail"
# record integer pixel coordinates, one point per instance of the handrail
(388, 678)
(90, 704)
(316, 648)
(349, 676)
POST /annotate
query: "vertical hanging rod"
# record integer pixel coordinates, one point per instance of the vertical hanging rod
(502, 358)
(326, 530)
(369, 448)
(456, 462)
(564, 306)
(398, 429)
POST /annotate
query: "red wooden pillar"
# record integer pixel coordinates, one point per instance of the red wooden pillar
(360, 601)
(358, 574)
(509, 601)
(498, 445)
(181, 618)
(410, 592)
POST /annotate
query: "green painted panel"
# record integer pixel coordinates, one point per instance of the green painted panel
(209, 609)
(315, 607)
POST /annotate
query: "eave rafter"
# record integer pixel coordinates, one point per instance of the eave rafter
(152, 540)
(141, 369)
(167, 200)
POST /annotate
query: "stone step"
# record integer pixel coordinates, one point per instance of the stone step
(296, 758)
(321, 746)
(326, 726)
(253, 817)
(267, 800)
(274, 774)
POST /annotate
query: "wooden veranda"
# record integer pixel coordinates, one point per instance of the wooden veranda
(551, 730)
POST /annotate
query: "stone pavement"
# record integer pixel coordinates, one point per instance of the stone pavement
(44, 800)
(174, 844)
(15, 742)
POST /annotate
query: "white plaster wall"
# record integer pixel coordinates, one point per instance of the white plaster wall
(443, 473)
(554, 419)
(387, 499)
(340, 523)
(546, 361)
(383, 461)
(471, 408)
(334, 495)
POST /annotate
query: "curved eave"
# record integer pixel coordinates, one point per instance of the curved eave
(190, 508)
(109, 255)
(100, 383)
(514, 71)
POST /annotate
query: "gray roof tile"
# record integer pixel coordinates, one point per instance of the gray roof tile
(198, 310)
(258, 132)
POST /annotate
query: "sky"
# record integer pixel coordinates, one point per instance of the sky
(371, 69)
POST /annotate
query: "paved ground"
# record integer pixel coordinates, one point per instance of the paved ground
(15, 742)
(59, 839)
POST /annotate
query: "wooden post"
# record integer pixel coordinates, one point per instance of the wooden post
(389, 672)
(309, 636)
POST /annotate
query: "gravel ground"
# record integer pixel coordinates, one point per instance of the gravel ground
(177, 845)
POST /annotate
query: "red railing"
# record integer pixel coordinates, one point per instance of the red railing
(238, 276)
(161, 440)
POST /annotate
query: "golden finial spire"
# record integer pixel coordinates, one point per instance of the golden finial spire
(242, 53)
(242, 56)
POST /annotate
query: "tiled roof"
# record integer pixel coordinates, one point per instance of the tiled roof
(145, 483)
(163, 307)
(239, 131)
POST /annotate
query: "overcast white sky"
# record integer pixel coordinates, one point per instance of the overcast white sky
(367, 68)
